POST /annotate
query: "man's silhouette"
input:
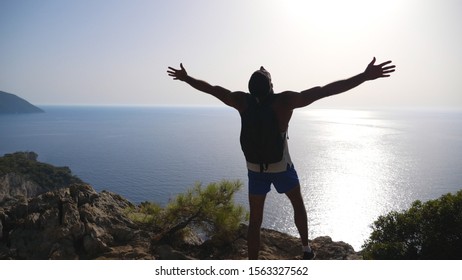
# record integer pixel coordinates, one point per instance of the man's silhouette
(281, 174)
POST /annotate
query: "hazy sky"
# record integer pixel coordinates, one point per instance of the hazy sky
(117, 52)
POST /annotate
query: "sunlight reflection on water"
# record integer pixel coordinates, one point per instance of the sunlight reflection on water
(350, 172)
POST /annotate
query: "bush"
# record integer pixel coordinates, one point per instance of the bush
(210, 210)
(430, 230)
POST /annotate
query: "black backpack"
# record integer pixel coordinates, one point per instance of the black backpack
(261, 140)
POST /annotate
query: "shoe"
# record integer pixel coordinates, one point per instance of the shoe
(309, 255)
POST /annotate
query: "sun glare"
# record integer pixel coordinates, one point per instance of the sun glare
(344, 17)
(328, 13)
(354, 165)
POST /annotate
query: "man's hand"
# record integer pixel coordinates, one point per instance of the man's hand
(373, 72)
(178, 74)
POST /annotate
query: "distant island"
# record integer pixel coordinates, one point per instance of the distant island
(12, 104)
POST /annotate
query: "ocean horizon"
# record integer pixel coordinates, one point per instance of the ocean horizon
(353, 165)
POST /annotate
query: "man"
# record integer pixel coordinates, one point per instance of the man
(281, 174)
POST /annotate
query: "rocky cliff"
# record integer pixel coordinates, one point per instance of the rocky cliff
(76, 222)
(23, 177)
(12, 104)
(15, 187)
(79, 223)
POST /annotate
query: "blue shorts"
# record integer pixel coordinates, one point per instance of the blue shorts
(260, 183)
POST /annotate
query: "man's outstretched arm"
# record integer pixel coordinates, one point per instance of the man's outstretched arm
(225, 95)
(372, 72)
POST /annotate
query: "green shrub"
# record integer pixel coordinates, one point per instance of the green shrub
(210, 210)
(430, 230)
(147, 213)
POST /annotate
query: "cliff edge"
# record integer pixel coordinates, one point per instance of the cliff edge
(78, 223)
(72, 221)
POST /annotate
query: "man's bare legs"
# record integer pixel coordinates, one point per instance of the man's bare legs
(256, 204)
(300, 216)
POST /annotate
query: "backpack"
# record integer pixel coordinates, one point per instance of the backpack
(261, 140)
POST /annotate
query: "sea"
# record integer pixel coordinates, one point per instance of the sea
(354, 165)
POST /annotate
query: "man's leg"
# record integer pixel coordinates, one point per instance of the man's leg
(256, 203)
(300, 216)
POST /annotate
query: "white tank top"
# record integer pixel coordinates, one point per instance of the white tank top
(278, 166)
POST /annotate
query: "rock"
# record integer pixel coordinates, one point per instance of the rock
(274, 246)
(14, 187)
(326, 249)
(277, 245)
(23, 177)
(72, 223)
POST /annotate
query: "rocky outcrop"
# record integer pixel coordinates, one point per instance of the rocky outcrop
(15, 187)
(72, 223)
(23, 177)
(277, 245)
(79, 223)
(274, 246)
(63, 218)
